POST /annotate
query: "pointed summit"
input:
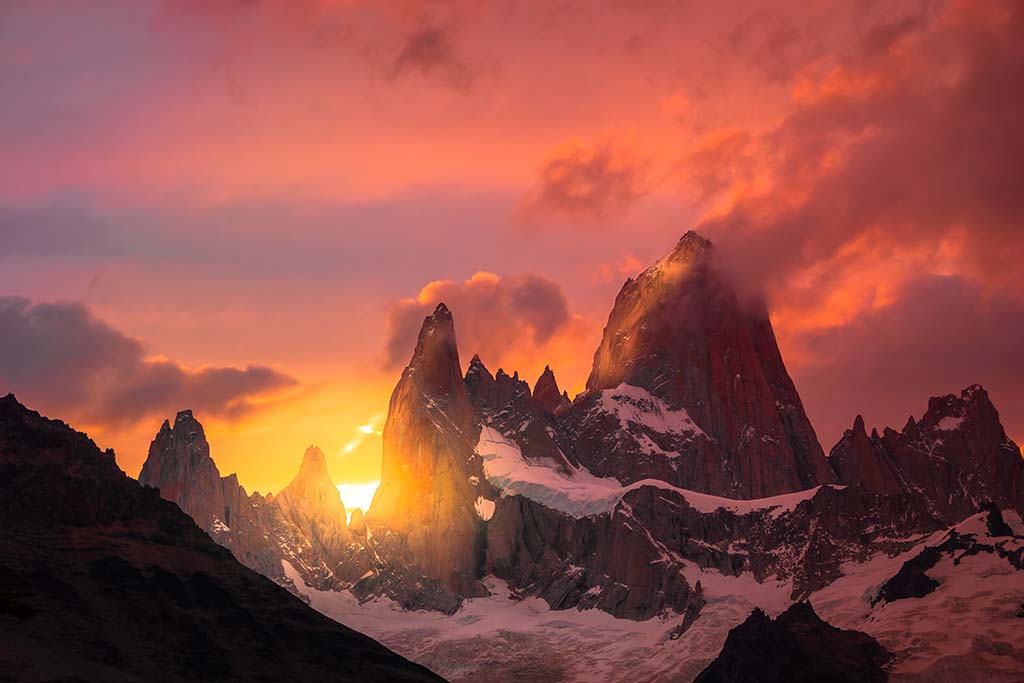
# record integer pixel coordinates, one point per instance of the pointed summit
(680, 332)
(547, 394)
(312, 503)
(435, 362)
(179, 463)
(314, 467)
(429, 437)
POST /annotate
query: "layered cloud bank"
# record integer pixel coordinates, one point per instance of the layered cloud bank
(61, 356)
(314, 176)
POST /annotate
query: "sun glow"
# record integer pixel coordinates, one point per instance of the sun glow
(357, 496)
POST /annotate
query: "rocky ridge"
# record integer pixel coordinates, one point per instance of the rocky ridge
(689, 449)
(103, 580)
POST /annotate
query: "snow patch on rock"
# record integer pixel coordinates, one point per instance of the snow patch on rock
(948, 424)
(484, 508)
(636, 406)
(581, 494)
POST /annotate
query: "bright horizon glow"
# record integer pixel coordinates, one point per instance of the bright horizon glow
(357, 496)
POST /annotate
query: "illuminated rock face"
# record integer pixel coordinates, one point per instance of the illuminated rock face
(957, 456)
(179, 464)
(681, 334)
(427, 492)
(303, 525)
(312, 515)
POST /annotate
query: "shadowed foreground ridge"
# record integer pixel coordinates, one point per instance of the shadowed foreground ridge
(101, 579)
(797, 646)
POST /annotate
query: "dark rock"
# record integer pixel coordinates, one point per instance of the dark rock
(681, 333)
(994, 521)
(796, 647)
(957, 457)
(103, 580)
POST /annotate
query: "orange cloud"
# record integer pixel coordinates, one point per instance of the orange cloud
(590, 182)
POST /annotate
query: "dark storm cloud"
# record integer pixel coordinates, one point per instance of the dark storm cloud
(62, 358)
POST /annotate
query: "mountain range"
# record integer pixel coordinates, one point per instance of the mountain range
(651, 526)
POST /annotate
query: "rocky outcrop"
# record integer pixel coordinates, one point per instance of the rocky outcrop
(957, 456)
(912, 579)
(103, 580)
(312, 516)
(796, 647)
(548, 396)
(179, 464)
(504, 403)
(427, 491)
(699, 369)
(859, 460)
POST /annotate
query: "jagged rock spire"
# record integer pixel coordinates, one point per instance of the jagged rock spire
(312, 504)
(680, 332)
(547, 394)
(429, 437)
(957, 456)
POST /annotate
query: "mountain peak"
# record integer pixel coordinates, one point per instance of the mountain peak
(693, 242)
(547, 394)
(681, 333)
(441, 312)
(314, 466)
(434, 366)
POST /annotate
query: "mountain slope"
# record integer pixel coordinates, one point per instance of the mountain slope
(693, 376)
(957, 457)
(101, 579)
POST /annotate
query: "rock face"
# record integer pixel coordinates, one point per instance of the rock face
(102, 580)
(547, 395)
(694, 376)
(426, 492)
(313, 516)
(912, 579)
(689, 452)
(179, 464)
(957, 456)
(796, 647)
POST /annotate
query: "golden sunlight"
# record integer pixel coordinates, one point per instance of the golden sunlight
(357, 496)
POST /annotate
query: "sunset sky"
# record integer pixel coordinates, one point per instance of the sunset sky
(246, 208)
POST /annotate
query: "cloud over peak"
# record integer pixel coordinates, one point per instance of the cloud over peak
(509, 320)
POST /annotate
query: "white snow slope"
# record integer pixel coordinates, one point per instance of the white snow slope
(966, 630)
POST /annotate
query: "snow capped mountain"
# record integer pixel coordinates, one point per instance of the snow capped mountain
(681, 333)
(638, 523)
